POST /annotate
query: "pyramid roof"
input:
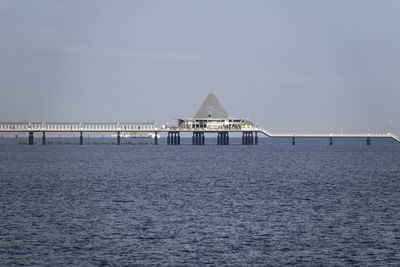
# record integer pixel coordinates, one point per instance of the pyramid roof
(211, 108)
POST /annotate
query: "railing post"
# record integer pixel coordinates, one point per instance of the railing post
(44, 138)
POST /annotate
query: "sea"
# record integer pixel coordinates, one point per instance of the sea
(137, 204)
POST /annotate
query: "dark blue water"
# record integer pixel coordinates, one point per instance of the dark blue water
(274, 204)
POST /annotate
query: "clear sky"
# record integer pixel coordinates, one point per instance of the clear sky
(308, 65)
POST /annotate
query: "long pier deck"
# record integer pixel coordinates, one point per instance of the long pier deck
(249, 134)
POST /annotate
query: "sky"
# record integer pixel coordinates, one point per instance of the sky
(304, 66)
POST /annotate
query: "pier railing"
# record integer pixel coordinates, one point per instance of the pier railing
(75, 127)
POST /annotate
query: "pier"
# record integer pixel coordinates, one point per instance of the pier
(211, 118)
(249, 135)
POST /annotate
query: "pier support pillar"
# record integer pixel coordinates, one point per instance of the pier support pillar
(248, 138)
(174, 138)
(293, 141)
(223, 138)
(155, 138)
(330, 141)
(368, 141)
(256, 139)
(118, 138)
(30, 138)
(44, 138)
(198, 138)
(81, 138)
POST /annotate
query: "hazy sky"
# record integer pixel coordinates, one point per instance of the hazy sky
(308, 65)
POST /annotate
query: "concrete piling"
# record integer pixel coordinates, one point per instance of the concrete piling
(30, 138)
(249, 138)
(223, 138)
(198, 138)
(174, 138)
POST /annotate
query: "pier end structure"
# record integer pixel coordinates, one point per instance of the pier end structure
(212, 117)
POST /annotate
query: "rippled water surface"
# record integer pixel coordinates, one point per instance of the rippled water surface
(271, 204)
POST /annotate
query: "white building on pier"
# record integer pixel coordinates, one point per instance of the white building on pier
(212, 115)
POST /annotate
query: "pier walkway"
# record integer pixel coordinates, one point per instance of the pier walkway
(332, 135)
(249, 134)
(77, 127)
